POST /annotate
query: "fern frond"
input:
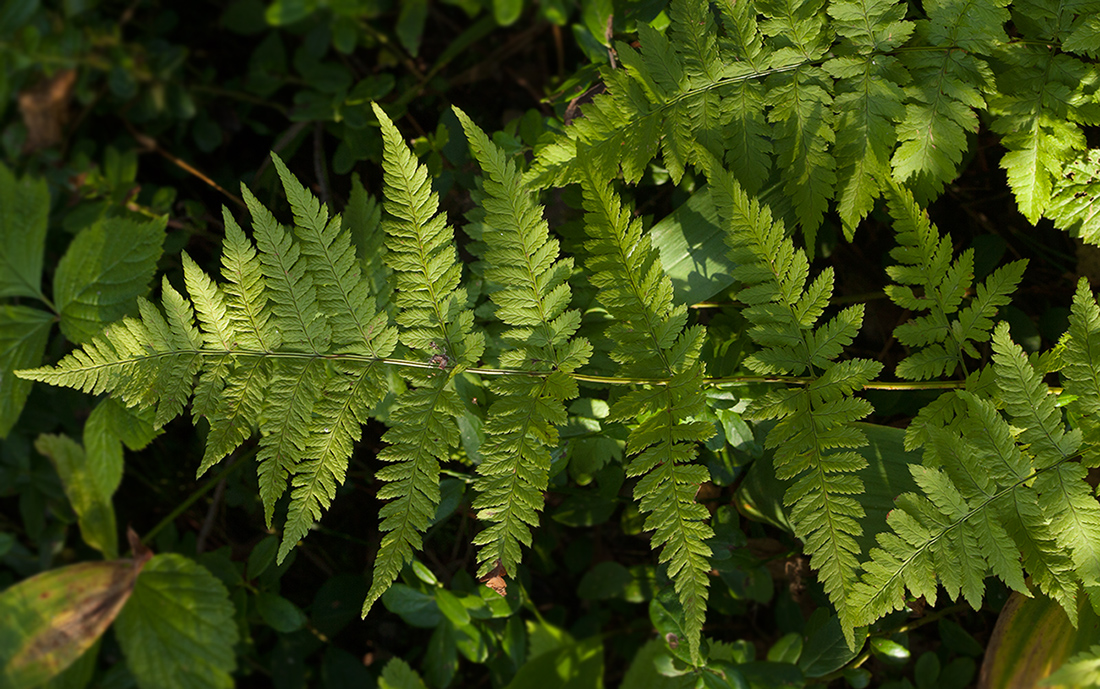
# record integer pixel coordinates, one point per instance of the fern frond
(342, 295)
(520, 426)
(991, 492)
(296, 316)
(945, 336)
(1075, 198)
(869, 100)
(261, 352)
(802, 108)
(1044, 97)
(434, 320)
(649, 335)
(946, 89)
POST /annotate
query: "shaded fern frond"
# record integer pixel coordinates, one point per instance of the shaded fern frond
(1080, 376)
(928, 280)
(434, 320)
(947, 87)
(992, 492)
(520, 425)
(1044, 97)
(815, 436)
(649, 335)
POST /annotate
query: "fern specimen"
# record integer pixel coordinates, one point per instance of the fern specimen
(520, 431)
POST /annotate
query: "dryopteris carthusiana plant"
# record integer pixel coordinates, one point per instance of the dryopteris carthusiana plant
(865, 103)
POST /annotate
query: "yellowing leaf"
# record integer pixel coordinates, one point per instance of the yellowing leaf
(52, 618)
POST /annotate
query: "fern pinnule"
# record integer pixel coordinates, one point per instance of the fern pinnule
(649, 334)
(433, 319)
(520, 426)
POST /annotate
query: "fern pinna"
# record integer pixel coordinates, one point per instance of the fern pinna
(814, 439)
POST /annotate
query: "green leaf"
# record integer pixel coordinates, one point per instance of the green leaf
(691, 243)
(102, 273)
(575, 665)
(398, 675)
(279, 613)
(178, 629)
(410, 24)
(23, 335)
(49, 620)
(24, 209)
(91, 503)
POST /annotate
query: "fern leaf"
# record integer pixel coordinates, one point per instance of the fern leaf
(433, 319)
(814, 437)
(946, 334)
(1075, 198)
(802, 109)
(246, 294)
(523, 259)
(1030, 405)
(946, 88)
(868, 101)
(649, 334)
(348, 396)
(296, 316)
(1041, 103)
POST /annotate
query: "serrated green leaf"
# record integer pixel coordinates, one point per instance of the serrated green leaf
(103, 272)
(88, 496)
(178, 630)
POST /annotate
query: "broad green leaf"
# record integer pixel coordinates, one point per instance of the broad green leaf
(24, 208)
(23, 335)
(177, 630)
(104, 450)
(692, 245)
(825, 649)
(93, 506)
(279, 613)
(283, 12)
(104, 270)
(642, 673)
(410, 24)
(49, 620)
(506, 12)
